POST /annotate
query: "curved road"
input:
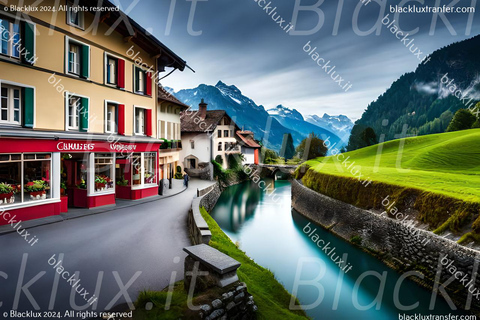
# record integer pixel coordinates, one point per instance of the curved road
(116, 255)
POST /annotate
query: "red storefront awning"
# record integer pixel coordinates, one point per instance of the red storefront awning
(8, 145)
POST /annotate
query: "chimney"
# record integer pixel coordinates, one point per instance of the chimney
(202, 110)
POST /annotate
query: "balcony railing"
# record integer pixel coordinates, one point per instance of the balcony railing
(170, 145)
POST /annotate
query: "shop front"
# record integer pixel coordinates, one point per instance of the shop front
(40, 178)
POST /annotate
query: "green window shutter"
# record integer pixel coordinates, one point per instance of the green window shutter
(29, 42)
(27, 95)
(84, 115)
(85, 62)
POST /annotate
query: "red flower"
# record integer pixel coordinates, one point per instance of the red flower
(30, 184)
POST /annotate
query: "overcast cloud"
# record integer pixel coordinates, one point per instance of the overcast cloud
(241, 45)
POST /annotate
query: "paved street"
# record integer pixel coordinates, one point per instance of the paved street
(116, 254)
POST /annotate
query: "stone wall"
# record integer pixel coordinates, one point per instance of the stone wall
(400, 246)
(234, 303)
(210, 198)
(197, 226)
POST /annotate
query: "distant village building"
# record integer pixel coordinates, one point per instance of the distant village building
(168, 126)
(249, 147)
(211, 134)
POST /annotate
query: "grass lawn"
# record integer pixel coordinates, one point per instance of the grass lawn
(270, 296)
(446, 163)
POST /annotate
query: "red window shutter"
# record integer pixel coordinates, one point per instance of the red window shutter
(149, 84)
(121, 73)
(121, 119)
(148, 124)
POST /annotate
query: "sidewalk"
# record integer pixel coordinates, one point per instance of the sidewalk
(73, 213)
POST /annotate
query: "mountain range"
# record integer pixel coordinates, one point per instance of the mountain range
(424, 101)
(268, 126)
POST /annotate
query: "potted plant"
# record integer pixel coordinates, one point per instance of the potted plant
(37, 189)
(100, 183)
(149, 178)
(123, 182)
(81, 184)
(6, 193)
(63, 188)
(109, 182)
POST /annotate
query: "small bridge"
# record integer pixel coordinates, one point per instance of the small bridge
(277, 171)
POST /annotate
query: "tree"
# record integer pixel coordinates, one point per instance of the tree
(288, 149)
(476, 112)
(312, 147)
(369, 137)
(462, 120)
(270, 156)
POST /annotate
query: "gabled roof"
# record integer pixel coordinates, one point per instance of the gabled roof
(164, 95)
(130, 29)
(247, 140)
(191, 122)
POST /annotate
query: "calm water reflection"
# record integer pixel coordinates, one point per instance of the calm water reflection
(271, 234)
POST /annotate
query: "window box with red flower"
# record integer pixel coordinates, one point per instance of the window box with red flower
(6, 193)
(37, 189)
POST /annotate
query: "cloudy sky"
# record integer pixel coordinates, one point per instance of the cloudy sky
(236, 41)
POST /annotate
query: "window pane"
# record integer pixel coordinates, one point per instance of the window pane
(10, 175)
(111, 71)
(16, 38)
(4, 105)
(73, 57)
(104, 180)
(4, 38)
(36, 180)
(136, 169)
(149, 163)
(73, 112)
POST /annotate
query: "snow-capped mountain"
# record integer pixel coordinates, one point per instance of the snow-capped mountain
(341, 125)
(247, 114)
(282, 111)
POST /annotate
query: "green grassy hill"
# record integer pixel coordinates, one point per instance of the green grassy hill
(447, 163)
(441, 172)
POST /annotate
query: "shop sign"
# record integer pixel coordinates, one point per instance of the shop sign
(72, 146)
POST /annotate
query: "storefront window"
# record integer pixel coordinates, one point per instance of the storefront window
(150, 166)
(136, 169)
(104, 172)
(32, 186)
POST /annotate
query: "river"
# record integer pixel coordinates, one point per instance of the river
(272, 234)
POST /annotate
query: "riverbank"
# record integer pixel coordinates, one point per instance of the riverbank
(393, 243)
(434, 179)
(271, 297)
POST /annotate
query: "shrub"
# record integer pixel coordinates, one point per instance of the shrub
(219, 160)
(219, 172)
(357, 240)
(233, 162)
